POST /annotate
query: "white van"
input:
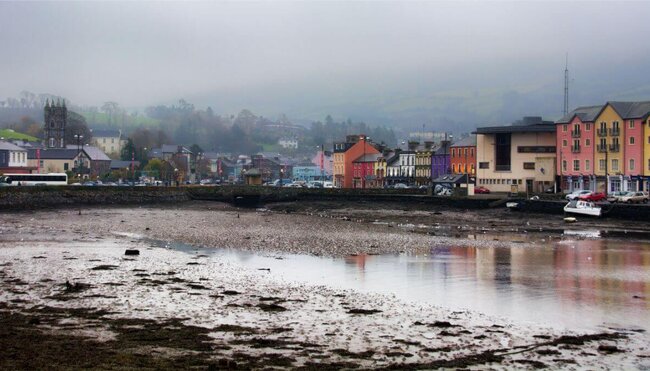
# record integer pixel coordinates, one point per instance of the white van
(328, 185)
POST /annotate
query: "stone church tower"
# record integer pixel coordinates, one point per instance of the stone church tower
(56, 119)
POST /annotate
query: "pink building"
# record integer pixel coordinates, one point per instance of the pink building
(576, 146)
(327, 160)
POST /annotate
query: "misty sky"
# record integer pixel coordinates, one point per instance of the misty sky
(311, 58)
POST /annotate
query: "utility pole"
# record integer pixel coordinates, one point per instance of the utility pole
(565, 111)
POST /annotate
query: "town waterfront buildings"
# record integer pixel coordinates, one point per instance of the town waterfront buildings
(517, 158)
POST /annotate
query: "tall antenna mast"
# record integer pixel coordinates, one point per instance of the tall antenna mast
(565, 111)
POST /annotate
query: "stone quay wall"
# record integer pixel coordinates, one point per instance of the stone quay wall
(22, 198)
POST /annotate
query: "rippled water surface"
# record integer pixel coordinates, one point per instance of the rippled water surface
(580, 284)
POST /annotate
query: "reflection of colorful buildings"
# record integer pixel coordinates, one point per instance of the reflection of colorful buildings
(602, 272)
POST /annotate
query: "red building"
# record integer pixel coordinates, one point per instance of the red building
(463, 156)
(361, 148)
(363, 171)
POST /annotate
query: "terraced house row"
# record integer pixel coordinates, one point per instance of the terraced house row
(605, 148)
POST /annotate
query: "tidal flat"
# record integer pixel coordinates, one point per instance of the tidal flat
(71, 298)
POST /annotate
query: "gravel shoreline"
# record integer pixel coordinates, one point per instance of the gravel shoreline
(64, 277)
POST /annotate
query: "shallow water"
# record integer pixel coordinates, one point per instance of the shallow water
(577, 284)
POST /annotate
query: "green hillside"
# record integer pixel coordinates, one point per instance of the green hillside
(10, 134)
(101, 118)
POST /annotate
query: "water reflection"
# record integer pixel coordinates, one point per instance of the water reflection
(568, 283)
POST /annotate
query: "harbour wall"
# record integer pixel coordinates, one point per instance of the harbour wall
(25, 198)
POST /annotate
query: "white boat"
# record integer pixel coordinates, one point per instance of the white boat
(583, 208)
(512, 205)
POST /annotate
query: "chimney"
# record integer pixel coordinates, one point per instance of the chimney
(413, 145)
(428, 144)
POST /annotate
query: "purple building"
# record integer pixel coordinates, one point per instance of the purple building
(441, 160)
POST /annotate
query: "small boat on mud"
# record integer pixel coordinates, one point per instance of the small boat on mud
(513, 205)
(583, 208)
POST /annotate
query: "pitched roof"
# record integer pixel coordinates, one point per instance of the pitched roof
(10, 146)
(53, 154)
(585, 114)
(94, 153)
(466, 142)
(105, 133)
(392, 160)
(631, 110)
(371, 157)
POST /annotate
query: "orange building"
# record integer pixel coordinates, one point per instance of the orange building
(463, 156)
(360, 148)
(338, 163)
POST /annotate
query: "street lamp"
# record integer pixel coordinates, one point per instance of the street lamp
(322, 160)
(79, 137)
(176, 176)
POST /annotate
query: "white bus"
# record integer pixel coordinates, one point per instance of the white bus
(34, 179)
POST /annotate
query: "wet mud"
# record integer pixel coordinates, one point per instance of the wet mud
(84, 304)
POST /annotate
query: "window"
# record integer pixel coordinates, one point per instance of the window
(601, 165)
(631, 124)
(587, 127)
(587, 142)
(65, 166)
(565, 128)
(648, 164)
(529, 166)
(471, 152)
(631, 161)
(631, 140)
(483, 165)
(576, 165)
(615, 165)
(587, 165)
(104, 140)
(564, 143)
(564, 165)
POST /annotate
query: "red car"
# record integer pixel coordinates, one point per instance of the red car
(481, 190)
(594, 197)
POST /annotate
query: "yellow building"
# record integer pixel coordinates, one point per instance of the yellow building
(517, 158)
(379, 170)
(609, 157)
(109, 141)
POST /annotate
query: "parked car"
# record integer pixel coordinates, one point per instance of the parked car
(550, 189)
(594, 197)
(576, 194)
(634, 197)
(615, 196)
(481, 190)
(328, 185)
(400, 186)
(283, 183)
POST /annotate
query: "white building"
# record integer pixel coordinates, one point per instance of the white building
(12, 157)
(290, 143)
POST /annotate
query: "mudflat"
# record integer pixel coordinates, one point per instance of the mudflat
(71, 298)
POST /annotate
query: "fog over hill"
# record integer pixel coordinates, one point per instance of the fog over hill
(441, 64)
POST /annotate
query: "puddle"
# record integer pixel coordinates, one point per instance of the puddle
(581, 284)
